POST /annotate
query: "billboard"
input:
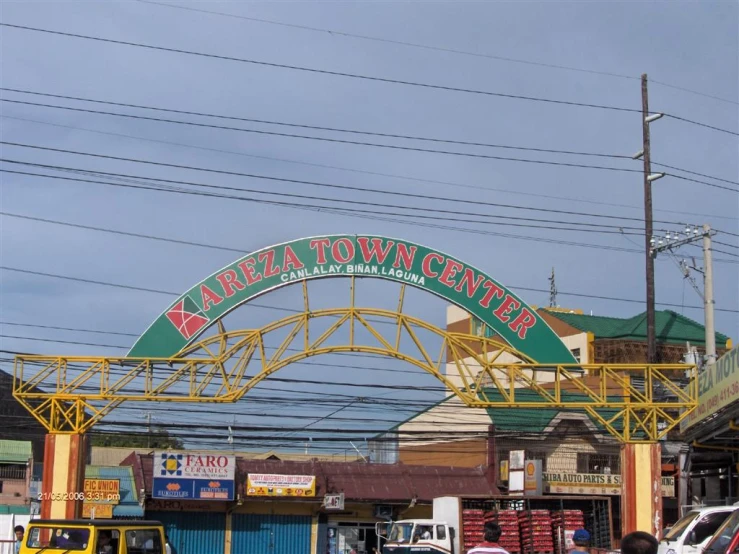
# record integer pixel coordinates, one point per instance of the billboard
(262, 484)
(582, 483)
(193, 476)
(718, 386)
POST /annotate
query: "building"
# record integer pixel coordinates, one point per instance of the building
(18, 424)
(574, 449)
(16, 470)
(363, 493)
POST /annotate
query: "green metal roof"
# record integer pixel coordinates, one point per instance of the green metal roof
(670, 327)
(15, 452)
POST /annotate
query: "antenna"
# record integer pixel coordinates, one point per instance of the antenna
(358, 452)
(552, 291)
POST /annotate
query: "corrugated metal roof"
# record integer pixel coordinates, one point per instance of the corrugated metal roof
(129, 503)
(15, 452)
(669, 326)
(361, 481)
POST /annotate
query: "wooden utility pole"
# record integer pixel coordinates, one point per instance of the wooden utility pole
(648, 231)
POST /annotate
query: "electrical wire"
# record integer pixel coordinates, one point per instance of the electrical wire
(600, 228)
(335, 32)
(365, 172)
(303, 126)
(529, 289)
(332, 140)
(693, 122)
(319, 71)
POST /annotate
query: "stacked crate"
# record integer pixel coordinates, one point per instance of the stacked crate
(508, 521)
(565, 523)
(473, 522)
(535, 527)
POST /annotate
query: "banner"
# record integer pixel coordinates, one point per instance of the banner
(95, 510)
(193, 476)
(263, 484)
(718, 386)
(582, 483)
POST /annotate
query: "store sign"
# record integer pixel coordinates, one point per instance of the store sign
(334, 501)
(398, 260)
(718, 386)
(668, 486)
(582, 483)
(532, 482)
(193, 476)
(263, 484)
(96, 510)
(102, 491)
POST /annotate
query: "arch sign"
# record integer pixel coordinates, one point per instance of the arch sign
(347, 255)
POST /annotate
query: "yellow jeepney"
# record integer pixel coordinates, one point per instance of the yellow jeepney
(95, 536)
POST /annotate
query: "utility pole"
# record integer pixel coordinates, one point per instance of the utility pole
(692, 235)
(552, 291)
(708, 301)
(148, 434)
(648, 230)
(651, 339)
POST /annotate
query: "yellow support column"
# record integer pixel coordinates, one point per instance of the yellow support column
(229, 532)
(641, 498)
(63, 477)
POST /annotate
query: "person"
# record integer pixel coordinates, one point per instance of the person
(19, 531)
(490, 546)
(639, 542)
(104, 545)
(426, 535)
(581, 538)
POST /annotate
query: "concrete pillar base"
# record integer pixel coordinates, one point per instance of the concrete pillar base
(641, 498)
(63, 478)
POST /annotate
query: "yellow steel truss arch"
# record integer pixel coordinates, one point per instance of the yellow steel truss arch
(71, 394)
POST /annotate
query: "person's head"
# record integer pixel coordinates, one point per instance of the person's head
(19, 530)
(492, 531)
(104, 538)
(639, 542)
(581, 538)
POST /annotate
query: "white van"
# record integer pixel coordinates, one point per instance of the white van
(693, 531)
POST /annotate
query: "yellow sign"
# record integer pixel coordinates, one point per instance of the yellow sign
(262, 484)
(582, 483)
(92, 510)
(718, 386)
(102, 491)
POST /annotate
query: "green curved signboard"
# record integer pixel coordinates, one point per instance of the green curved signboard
(344, 255)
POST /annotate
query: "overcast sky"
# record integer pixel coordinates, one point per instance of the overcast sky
(690, 45)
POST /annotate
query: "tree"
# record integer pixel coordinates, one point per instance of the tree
(157, 439)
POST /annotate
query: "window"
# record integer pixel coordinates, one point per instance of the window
(68, 539)
(107, 541)
(576, 353)
(144, 541)
(598, 463)
(706, 527)
(440, 532)
(477, 327)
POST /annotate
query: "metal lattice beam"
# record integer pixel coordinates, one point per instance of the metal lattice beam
(635, 403)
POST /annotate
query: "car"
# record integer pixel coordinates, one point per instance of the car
(691, 533)
(726, 538)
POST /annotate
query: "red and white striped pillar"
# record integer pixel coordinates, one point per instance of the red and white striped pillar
(63, 477)
(641, 495)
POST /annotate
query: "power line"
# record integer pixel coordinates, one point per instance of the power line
(305, 126)
(335, 32)
(365, 172)
(328, 139)
(313, 183)
(702, 124)
(319, 128)
(529, 289)
(320, 71)
(360, 143)
(353, 202)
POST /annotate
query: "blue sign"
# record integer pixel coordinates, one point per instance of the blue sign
(193, 476)
(192, 489)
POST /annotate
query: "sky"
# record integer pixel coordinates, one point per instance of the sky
(578, 52)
